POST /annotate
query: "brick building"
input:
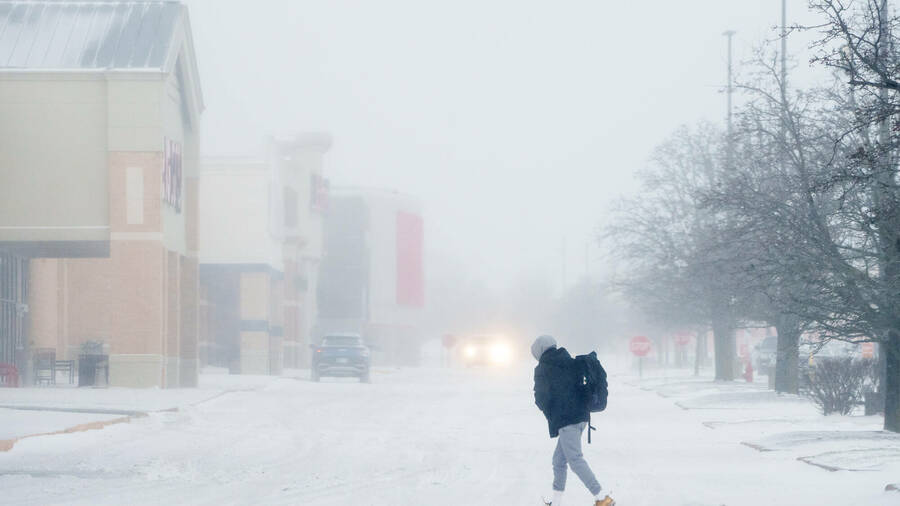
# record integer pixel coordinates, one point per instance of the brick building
(99, 131)
(260, 248)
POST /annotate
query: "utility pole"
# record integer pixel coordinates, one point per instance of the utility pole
(730, 35)
(565, 260)
(885, 127)
(783, 48)
(587, 261)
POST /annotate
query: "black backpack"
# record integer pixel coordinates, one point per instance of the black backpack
(596, 389)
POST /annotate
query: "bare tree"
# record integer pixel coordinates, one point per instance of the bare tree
(666, 239)
(768, 204)
(858, 298)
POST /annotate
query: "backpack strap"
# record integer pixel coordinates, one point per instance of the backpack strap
(590, 428)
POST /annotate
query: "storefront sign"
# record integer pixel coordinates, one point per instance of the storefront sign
(172, 175)
(318, 196)
(410, 265)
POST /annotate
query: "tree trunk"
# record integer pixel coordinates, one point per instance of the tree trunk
(891, 386)
(699, 352)
(787, 373)
(723, 335)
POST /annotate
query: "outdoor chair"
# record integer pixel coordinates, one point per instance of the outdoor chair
(65, 366)
(44, 359)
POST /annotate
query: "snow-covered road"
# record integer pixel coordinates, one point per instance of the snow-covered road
(413, 437)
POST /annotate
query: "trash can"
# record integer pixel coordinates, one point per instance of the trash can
(93, 368)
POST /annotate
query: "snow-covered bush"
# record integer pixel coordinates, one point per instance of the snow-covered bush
(837, 384)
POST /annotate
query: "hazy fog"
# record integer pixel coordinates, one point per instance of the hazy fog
(516, 122)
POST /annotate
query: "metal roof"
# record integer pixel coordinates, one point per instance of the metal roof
(62, 34)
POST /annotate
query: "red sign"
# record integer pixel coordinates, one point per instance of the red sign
(410, 265)
(683, 339)
(640, 346)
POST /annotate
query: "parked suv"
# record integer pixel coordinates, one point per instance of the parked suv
(341, 355)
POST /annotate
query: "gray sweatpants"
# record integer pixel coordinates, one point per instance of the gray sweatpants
(568, 451)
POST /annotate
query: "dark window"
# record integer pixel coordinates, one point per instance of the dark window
(341, 341)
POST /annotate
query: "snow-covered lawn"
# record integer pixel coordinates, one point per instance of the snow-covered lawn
(450, 437)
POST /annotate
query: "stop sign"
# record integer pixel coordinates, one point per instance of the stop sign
(868, 350)
(683, 339)
(640, 346)
(449, 340)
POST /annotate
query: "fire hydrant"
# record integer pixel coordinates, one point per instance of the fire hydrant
(748, 372)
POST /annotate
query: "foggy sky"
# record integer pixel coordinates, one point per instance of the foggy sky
(516, 122)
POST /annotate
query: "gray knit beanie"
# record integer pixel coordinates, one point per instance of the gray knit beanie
(541, 345)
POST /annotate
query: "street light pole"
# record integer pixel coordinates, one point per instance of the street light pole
(730, 154)
(783, 47)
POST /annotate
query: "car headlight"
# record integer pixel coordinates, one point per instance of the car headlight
(501, 354)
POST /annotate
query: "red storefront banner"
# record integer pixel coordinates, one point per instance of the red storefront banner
(410, 265)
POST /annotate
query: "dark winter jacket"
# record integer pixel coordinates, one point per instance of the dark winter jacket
(558, 390)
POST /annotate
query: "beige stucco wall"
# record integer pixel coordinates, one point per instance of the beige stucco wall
(65, 186)
(135, 371)
(255, 292)
(135, 113)
(84, 118)
(254, 352)
(234, 217)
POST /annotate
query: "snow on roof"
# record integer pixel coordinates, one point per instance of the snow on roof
(87, 35)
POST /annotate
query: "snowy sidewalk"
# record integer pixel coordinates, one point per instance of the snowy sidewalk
(30, 412)
(784, 426)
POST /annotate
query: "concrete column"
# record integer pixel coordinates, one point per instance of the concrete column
(255, 292)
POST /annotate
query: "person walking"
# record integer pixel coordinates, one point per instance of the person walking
(559, 394)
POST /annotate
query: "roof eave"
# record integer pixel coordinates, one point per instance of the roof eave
(99, 73)
(183, 40)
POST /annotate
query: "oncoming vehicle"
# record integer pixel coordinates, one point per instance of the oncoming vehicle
(485, 351)
(764, 354)
(341, 355)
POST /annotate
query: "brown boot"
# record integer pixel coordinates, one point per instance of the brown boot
(607, 501)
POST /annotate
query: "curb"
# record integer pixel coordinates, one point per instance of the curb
(7, 444)
(89, 411)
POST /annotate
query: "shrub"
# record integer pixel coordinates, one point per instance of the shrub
(837, 384)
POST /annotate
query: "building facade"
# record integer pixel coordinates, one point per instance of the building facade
(99, 139)
(372, 275)
(260, 248)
